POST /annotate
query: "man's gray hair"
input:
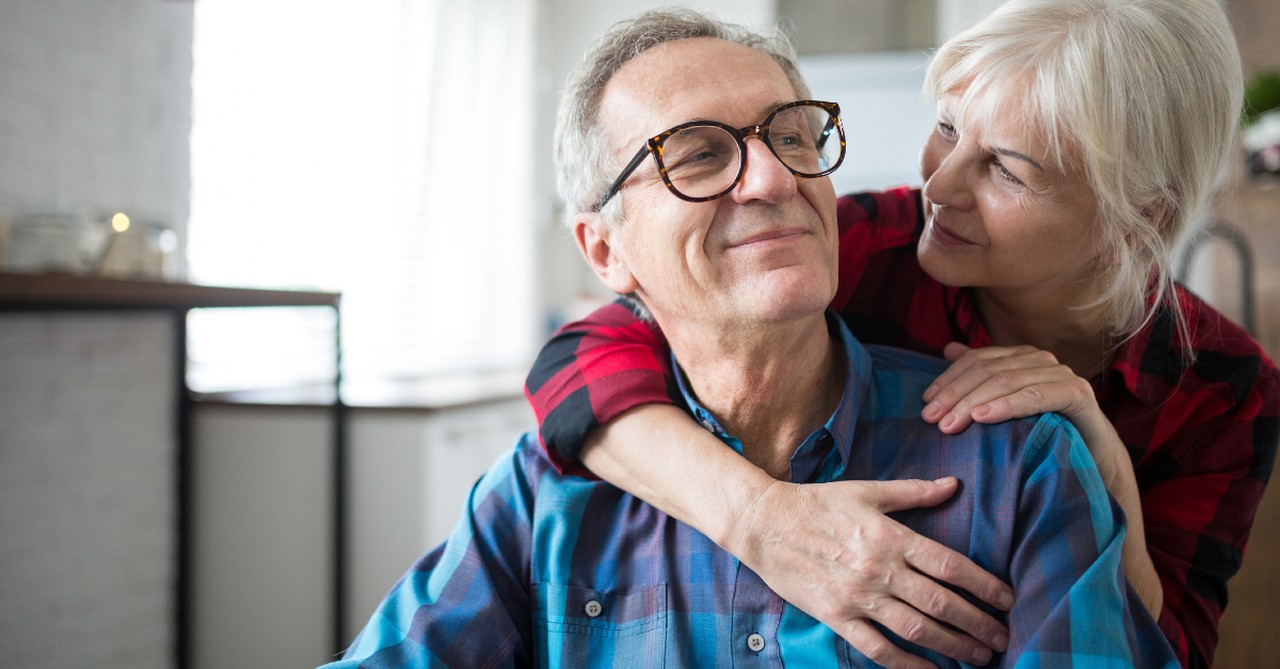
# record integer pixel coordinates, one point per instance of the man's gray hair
(584, 167)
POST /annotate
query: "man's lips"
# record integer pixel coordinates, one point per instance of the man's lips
(767, 236)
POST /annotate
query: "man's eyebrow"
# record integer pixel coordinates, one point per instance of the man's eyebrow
(1019, 156)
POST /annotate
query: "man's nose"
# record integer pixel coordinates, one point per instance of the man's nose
(765, 178)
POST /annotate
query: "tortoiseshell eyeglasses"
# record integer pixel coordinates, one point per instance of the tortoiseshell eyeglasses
(703, 160)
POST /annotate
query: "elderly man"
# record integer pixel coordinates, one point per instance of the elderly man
(722, 227)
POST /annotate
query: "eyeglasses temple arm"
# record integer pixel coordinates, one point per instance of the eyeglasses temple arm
(626, 172)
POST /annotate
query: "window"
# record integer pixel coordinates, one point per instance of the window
(380, 148)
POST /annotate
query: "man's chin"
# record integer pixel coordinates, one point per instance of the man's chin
(788, 294)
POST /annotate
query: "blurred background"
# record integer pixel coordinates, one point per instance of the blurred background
(396, 152)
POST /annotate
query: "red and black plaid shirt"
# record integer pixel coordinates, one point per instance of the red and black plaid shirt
(1202, 436)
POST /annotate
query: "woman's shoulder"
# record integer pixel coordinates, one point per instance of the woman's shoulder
(1214, 334)
(1224, 360)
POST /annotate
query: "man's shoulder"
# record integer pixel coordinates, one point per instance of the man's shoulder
(908, 363)
(904, 372)
(902, 377)
(533, 468)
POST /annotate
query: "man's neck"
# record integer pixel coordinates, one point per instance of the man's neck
(768, 386)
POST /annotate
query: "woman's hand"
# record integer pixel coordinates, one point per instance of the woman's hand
(830, 550)
(998, 383)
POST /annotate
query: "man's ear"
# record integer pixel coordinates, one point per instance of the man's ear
(595, 241)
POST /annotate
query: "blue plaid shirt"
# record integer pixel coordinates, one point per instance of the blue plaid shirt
(550, 570)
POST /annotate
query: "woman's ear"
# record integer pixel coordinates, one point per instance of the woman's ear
(598, 245)
(1159, 213)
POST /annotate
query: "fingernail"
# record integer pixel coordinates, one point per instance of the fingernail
(1000, 643)
(948, 421)
(982, 411)
(981, 656)
(930, 392)
(931, 411)
(1005, 600)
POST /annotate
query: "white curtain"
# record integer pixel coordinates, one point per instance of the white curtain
(381, 148)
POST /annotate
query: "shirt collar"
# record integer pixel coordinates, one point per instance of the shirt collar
(810, 460)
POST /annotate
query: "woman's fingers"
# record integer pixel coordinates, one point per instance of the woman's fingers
(995, 383)
(1068, 395)
(967, 359)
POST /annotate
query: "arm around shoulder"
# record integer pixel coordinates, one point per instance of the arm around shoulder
(591, 371)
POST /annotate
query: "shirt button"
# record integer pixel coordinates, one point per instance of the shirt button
(594, 609)
(755, 643)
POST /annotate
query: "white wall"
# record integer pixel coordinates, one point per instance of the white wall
(96, 108)
(94, 115)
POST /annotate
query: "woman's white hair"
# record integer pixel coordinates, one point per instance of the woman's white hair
(584, 167)
(1143, 96)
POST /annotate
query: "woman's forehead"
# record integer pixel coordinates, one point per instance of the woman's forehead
(1008, 111)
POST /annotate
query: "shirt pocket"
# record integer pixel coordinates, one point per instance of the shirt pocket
(580, 627)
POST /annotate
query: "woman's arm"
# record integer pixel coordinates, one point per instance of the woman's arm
(593, 370)
(827, 548)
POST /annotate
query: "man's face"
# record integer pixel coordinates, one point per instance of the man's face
(765, 252)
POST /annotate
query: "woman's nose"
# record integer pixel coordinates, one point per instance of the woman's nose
(945, 171)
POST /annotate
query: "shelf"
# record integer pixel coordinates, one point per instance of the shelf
(69, 291)
(425, 394)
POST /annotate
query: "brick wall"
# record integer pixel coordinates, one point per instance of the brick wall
(86, 493)
(95, 107)
(95, 100)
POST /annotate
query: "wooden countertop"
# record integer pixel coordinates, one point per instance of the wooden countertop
(68, 291)
(434, 393)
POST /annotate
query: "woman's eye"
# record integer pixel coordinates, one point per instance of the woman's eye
(1003, 174)
(947, 130)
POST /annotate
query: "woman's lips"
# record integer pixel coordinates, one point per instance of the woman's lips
(947, 237)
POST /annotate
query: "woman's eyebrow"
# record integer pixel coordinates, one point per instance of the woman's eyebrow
(1019, 156)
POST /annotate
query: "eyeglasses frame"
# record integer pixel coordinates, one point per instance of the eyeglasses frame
(653, 146)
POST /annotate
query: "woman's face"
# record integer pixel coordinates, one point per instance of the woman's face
(1001, 215)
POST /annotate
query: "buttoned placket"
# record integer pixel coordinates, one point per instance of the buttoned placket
(757, 612)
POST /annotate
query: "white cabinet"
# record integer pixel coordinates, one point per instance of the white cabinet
(263, 516)
(410, 476)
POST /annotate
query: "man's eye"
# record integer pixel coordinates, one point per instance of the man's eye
(689, 157)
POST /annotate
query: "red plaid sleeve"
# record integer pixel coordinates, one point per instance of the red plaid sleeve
(873, 226)
(592, 370)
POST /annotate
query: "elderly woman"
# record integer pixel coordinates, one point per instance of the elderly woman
(1075, 141)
